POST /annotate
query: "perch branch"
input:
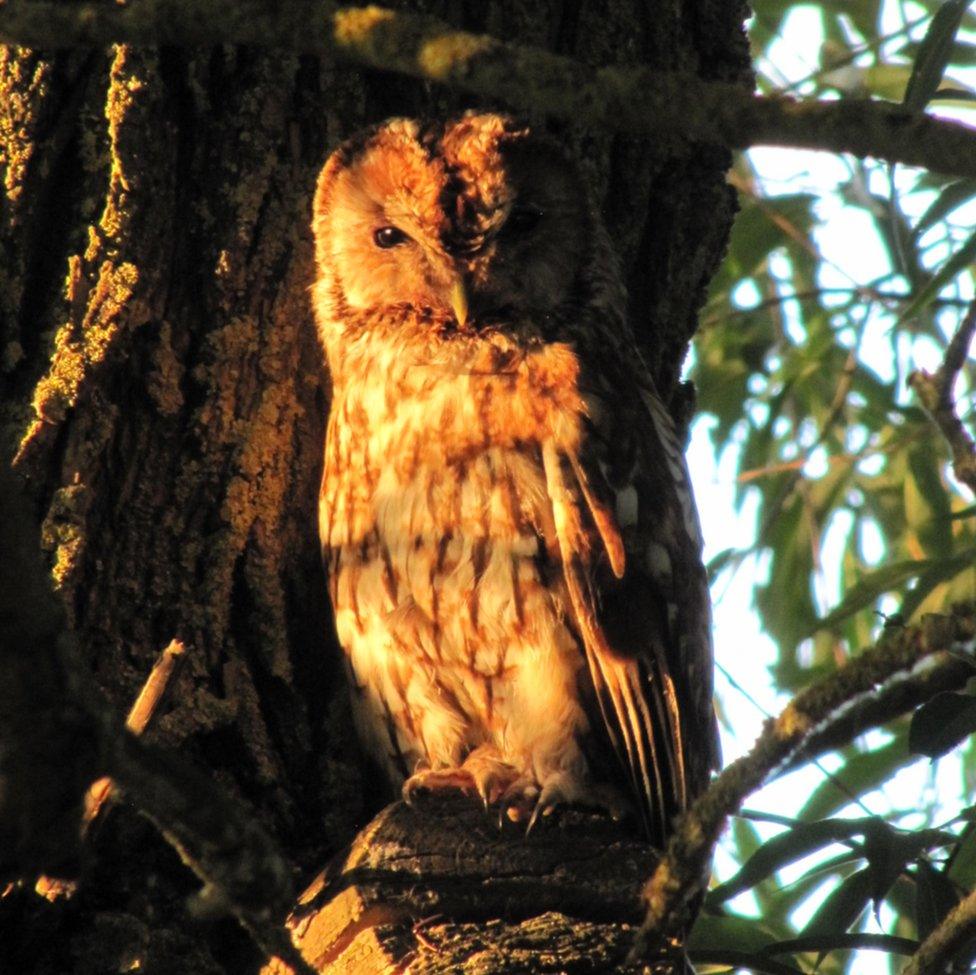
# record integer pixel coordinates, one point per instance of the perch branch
(944, 944)
(677, 878)
(442, 887)
(935, 393)
(634, 99)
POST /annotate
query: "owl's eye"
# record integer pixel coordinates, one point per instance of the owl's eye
(387, 237)
(523, 218)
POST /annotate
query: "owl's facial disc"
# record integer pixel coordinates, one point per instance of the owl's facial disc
(478, 221)
(442, 285)
(453, 294)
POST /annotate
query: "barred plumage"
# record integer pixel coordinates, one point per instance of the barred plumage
(506, 519)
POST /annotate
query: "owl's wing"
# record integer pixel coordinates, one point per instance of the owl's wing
(630, 546)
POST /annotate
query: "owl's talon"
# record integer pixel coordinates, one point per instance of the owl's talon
(518, 799)
(484, 776)
(564, 789)
(533, 819)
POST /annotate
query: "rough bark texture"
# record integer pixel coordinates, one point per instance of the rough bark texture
(472, 895)
(162, 388)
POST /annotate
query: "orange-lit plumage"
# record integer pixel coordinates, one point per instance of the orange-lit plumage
(505, 515)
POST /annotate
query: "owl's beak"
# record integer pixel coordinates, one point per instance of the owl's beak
(458, 298)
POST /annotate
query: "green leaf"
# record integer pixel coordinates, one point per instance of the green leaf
(785, 603)
(721, 561)
(927, 504)
(942, 723)
(747, 839)
(952, 196)
(863, 14)
(963, 52)
(933, 54)
(938, 572)
(954, 96)
(789, 846)
(962, 864)
(841, 908)
(783, 901)
(890, 851)
(732, 959)
(762, 226)
(871, 587)
(717, 930)
(887, 81)
(846, 942)
(952, 267)
(935, 896)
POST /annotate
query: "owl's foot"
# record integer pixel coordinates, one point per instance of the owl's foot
(527, 800)
(483, 775)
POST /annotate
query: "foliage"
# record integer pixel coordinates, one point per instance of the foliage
(801, 365)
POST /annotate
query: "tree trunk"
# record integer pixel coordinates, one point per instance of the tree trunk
(161, 386)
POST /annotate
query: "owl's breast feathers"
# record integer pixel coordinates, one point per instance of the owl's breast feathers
(482, 493)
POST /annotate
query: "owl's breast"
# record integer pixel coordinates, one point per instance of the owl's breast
(449, 442)
(435, 510)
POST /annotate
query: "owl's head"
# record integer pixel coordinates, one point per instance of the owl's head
(477, 220)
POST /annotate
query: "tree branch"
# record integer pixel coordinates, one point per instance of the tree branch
(53, 739)
(935, 392)
(57, 734)
(677, 879)
(218, 839)
(146, 704)
(944, 944)
(632, 99)
(947, 672)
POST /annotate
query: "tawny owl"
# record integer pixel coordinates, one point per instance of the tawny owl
(507, 524)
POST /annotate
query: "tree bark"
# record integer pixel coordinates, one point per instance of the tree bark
(449, 889)
(161, 387)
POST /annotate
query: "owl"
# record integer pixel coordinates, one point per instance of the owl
(506, 520)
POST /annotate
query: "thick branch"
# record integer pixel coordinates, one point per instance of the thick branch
(947, 942)
(677, 879)
(947, 672)
(634, 99)
(935, 392)
(446, 887)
